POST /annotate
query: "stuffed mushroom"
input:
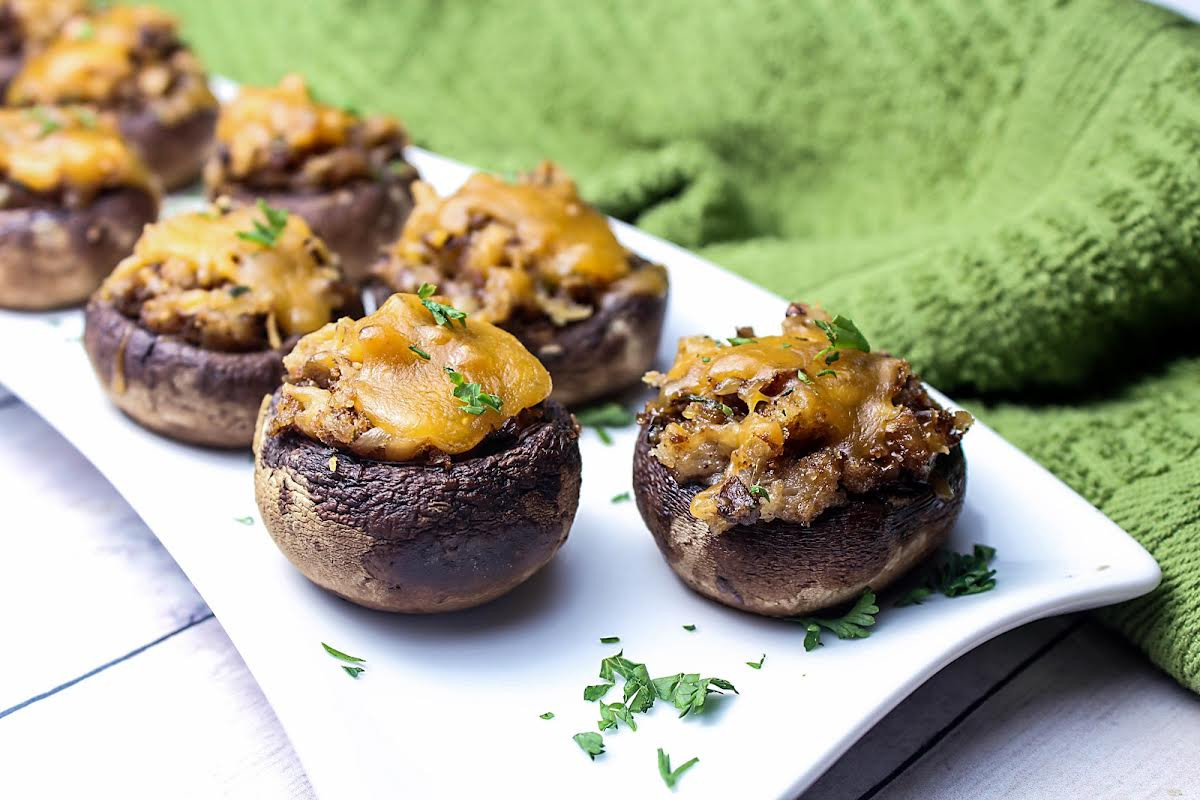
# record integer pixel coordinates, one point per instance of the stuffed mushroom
(73, 199)
(25, 28)
(535, 259)
(412, 461)
(344, 173)
(128, 62)
(189, 332)
(785, 474)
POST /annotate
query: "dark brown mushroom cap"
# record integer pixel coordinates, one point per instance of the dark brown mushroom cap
(356, 220)
(784, 569)
(420, 538)
(52, 257)
(174, 151)
(594, 357)
(175, 388)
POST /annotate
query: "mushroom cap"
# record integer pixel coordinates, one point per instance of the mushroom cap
(414, 537)
(175, 388)
(175, 151)
(52, 257)
(785, 569)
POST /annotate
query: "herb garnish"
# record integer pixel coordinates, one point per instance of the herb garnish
(419, 351)
(547, 715)
(85, 31)
(442, 313)
(757, 664)
(758, 491)
(842, 334)
(851, 625)
(664, 768)
(711, 403)
(475, 400)
(266, 235)
(609, 639)
(596, 691)
(688, 691)
(954, 575)
(738, 341)
(612, 713)
(352, 671)
(623, 497)
(689, 628)
(590, 743)
(802, 376)
(238, 291)
(333, 651)
(825, 372)
(244, 520)
(606, 415)
(42, 116)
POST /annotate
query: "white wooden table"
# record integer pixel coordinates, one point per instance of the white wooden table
(116, 679)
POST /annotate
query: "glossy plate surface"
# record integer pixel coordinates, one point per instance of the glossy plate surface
(449, 705)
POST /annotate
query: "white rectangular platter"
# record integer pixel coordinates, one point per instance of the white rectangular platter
(449, 705)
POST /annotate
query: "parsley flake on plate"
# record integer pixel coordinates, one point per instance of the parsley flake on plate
(689, 628)
(244, 520)
(757, 664)
(590, 743)
(955, 575)
(547, 715)
(604, 416)
(670, 778)
(353, 672)
(442, 314)
(623, 497)
(853, 624)
(609, 639)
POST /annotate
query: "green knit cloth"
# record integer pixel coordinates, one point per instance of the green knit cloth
(1006, 192)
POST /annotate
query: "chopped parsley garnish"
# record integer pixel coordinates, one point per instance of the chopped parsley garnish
(705, 359)
(333, 651)
(664, 768)
(757, 664)
(758, 491)
(419, 351)
(802, 376)
(606, 415)
(238, 291)
(596, 691)
(689, 628)
(547, 715)
(353, 672)
(786, 345)
(609, 639)
(623, 497)
(825, 372)
(955, 575)
(851, 625)
(266, 235)
(590, 743)
(442, 313)
(737, 341)
(843, 334)
(244, 520)
(85, 31)
(612, 713)
(711, 403)
(42, 116)
(688, 691)
(474, 399)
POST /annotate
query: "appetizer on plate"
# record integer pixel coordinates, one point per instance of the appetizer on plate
(189, 332)
(73, 199)
(345, 174)
(785, 474)
(128, 61)
(25, 28)
(412, 461)
(535, 259)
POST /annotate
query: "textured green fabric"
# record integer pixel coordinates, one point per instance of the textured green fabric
(1007, 192)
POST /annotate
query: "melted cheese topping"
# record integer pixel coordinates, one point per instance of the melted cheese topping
(498, 248)
(193, 274)
(767, 414)
(359, 385)
(262, 119)
(46, 148)
(41, 20)
(72, 70)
